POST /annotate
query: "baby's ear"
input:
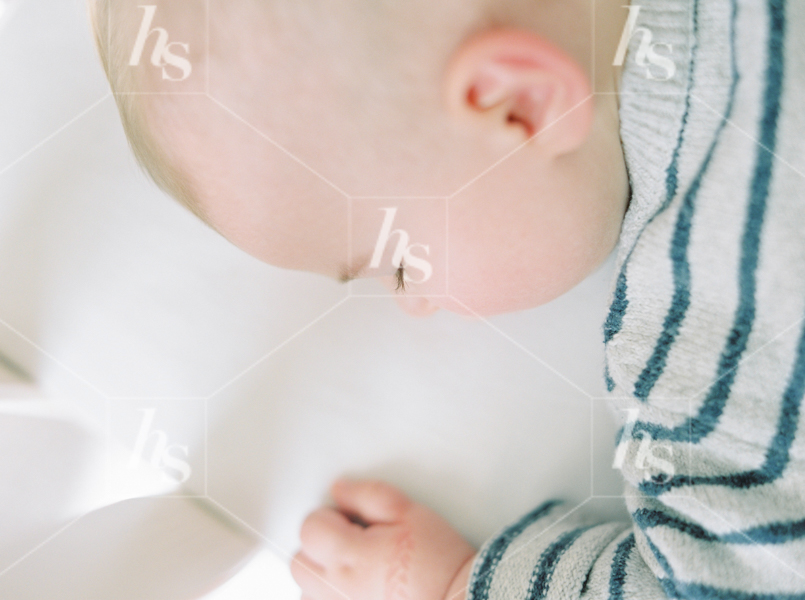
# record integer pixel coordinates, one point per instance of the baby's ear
(514, 81)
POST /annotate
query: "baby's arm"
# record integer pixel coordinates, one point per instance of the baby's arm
(679, 545)
(379, 545)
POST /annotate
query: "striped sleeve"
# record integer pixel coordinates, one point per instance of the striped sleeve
(705, 341)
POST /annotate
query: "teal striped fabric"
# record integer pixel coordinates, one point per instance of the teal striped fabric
(705, 336)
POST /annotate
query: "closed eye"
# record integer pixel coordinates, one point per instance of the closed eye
(400, 276)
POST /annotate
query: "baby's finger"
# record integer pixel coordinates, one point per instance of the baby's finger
(324, 535)
(371, 501)
(311, 578)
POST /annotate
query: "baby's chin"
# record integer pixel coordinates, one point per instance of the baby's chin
(490, 304)
(512, 294)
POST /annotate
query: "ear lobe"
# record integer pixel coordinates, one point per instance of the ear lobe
(516, 82)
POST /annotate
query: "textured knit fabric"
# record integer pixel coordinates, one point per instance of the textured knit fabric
(705, 337)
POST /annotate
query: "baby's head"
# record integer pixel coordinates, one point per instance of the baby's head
(458, 140)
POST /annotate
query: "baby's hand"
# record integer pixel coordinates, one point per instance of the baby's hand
(379, 545)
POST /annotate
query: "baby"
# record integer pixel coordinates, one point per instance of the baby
(485, 156)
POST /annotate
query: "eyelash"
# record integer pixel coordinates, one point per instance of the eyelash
(400, 275)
